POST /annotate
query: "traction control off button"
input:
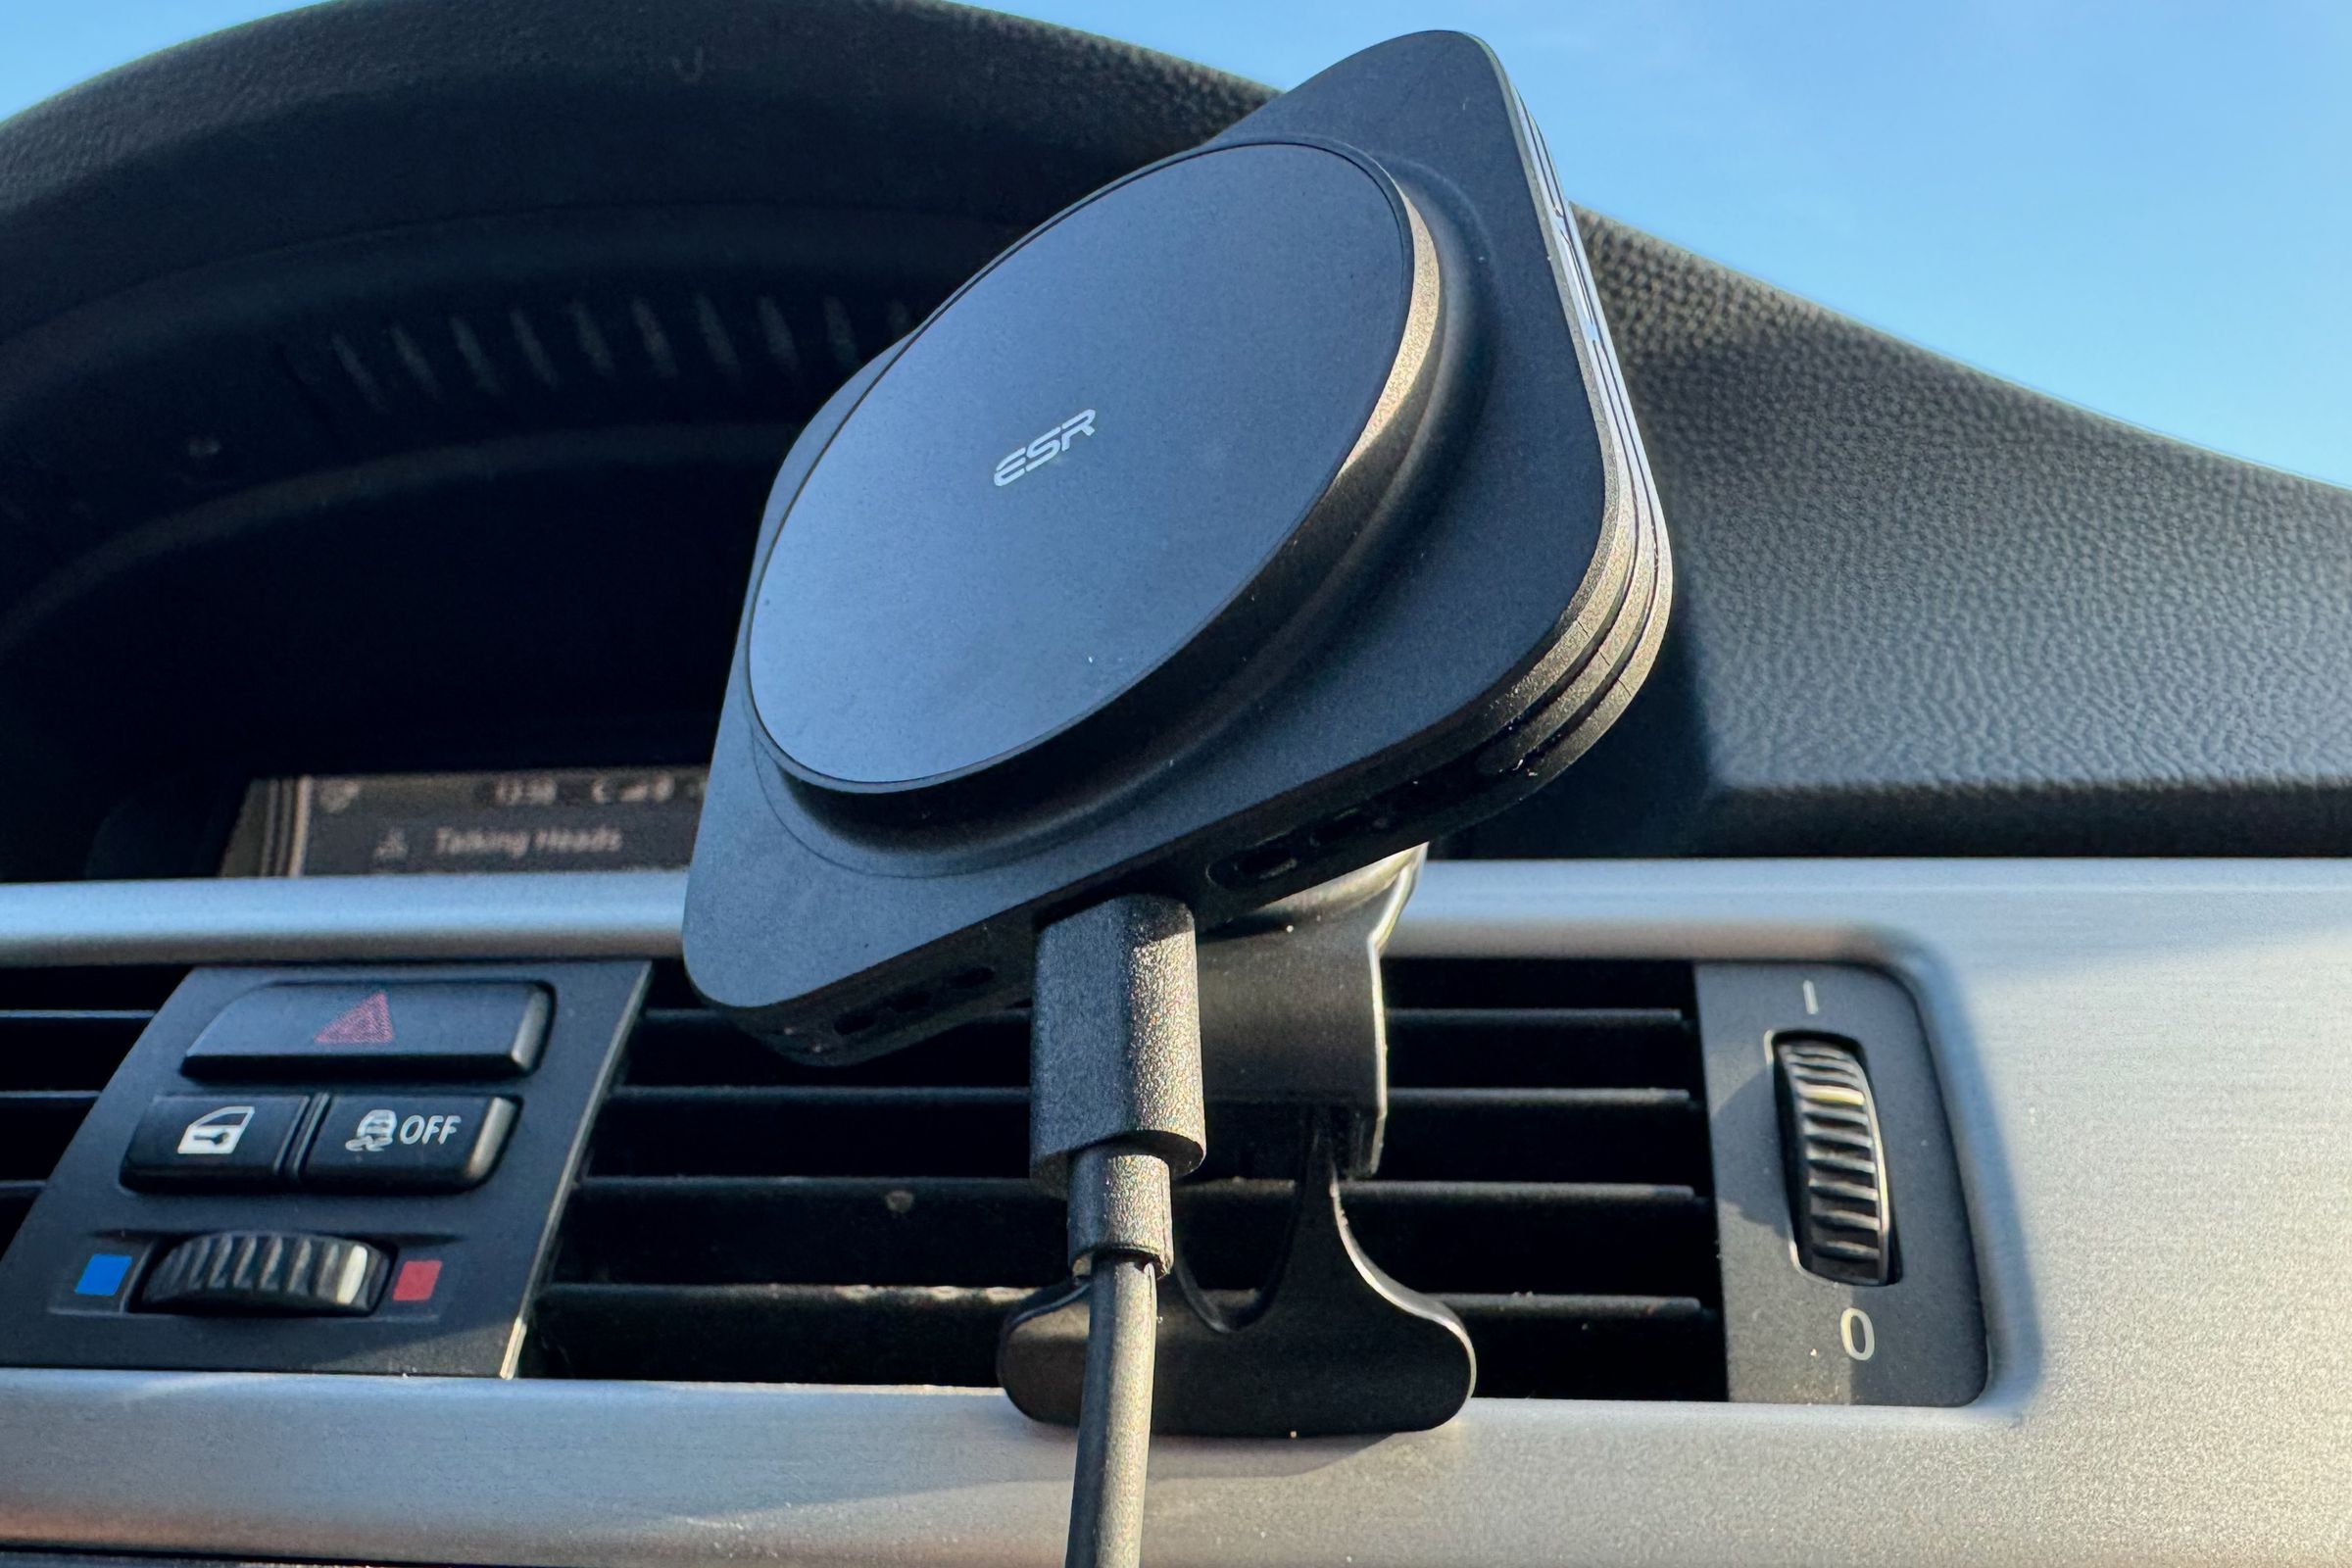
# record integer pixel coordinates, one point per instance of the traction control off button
(408, 1143)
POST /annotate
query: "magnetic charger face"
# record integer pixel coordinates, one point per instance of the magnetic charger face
(1269, 512)
(1101, 478)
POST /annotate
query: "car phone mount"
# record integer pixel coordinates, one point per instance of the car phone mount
(1275, 509)
(1272, 510)
(1294, 1063)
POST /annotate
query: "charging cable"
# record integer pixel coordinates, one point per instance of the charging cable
(1115, 1118)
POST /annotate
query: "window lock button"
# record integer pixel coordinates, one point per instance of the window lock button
(216, 1141)
(408, 1143)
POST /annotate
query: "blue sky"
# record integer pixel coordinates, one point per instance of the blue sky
(2143, 208)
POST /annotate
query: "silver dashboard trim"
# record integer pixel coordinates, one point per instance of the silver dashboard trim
(2147, 1066)
(293, 920)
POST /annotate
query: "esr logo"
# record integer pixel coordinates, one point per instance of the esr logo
(1046, 448)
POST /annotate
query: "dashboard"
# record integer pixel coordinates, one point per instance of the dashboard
(372, 540)
(2132, 1327)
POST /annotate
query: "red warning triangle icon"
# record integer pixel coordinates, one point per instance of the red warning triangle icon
(368, 1024)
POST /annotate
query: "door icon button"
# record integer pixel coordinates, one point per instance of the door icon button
(218, 1140)
(217, 1133)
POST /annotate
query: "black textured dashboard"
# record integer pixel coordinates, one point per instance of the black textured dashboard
(328, 442)
(1928, 612)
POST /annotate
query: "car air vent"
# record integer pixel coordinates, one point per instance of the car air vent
(1546, 1173)
(63, 1032)
(555, 359)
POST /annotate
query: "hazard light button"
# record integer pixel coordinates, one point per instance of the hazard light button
(401, 1029)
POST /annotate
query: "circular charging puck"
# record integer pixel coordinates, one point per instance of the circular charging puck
(1104, 475)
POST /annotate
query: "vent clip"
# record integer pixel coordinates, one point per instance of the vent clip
(1294, 1063)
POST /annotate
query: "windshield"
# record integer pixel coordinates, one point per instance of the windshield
(2139, 211)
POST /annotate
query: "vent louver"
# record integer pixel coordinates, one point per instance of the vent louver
(1547, 1174)
(63, 1033)
(555, 359)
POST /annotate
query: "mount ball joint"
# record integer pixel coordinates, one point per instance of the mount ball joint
(1271, 509)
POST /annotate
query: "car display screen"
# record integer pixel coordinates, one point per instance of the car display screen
(390, 824)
